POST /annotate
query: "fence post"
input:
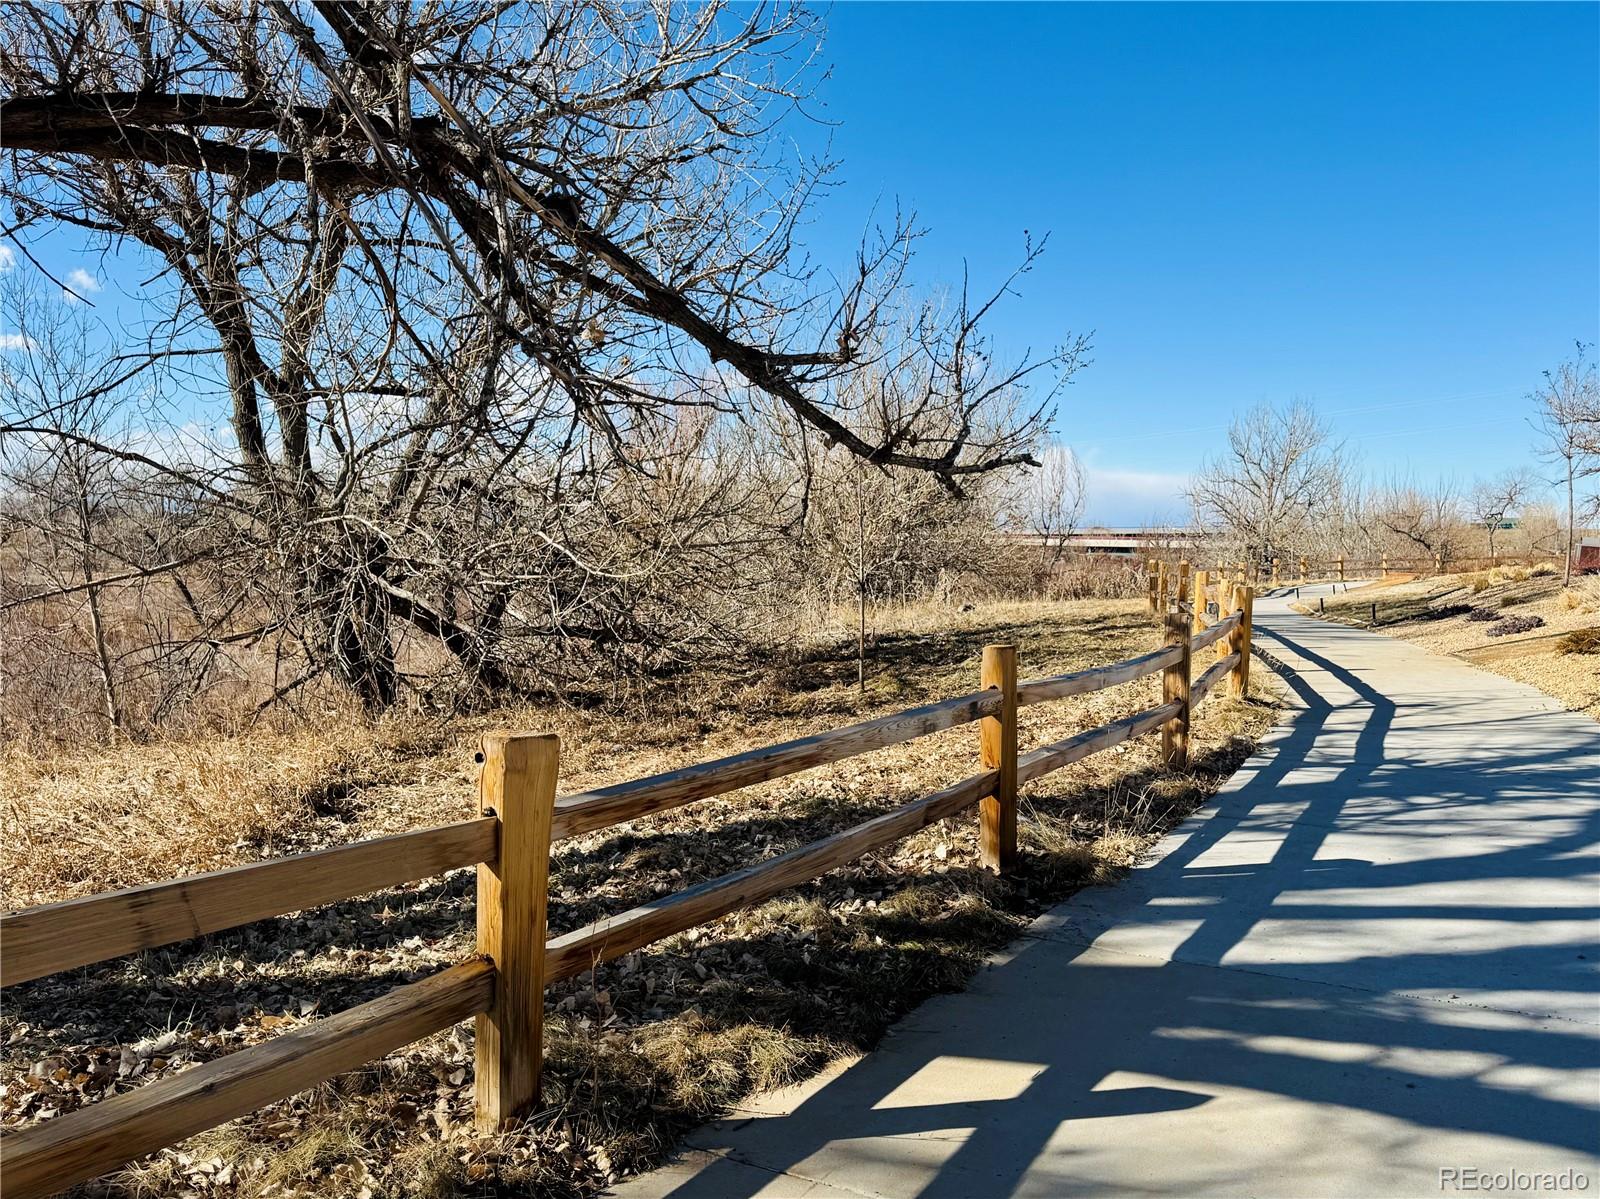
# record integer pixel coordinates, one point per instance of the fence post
(1341, 568)
(1202, 582)
(1151, 578)
(1165, 590)
(997, 744)
(1175, 686)
(1181, 593)
(1239, 640)
(518, 787)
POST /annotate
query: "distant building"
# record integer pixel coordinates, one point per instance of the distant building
(1588, 556)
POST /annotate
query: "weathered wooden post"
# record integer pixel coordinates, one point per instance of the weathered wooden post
(997, 745)
(1164, 591)
(1182, 590)
(1202, 583)
(1153, 579)
(1341, 568)
(1175, 681)
(1274, 572)
(517, 787)
(1239, 640)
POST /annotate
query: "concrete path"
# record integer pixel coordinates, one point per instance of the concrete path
(1371, 962)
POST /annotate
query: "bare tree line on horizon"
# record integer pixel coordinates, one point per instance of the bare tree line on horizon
(1284, 487)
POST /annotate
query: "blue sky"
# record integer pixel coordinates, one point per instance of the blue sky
(1390, 210)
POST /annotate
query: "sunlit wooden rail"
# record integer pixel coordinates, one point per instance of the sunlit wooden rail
(502, 987)
(1163, 578)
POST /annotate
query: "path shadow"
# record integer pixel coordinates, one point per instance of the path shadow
(1480, 858)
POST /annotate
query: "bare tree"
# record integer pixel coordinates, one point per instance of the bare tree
(1568, 421)
(873, 533)
(1051, 502)
(452, 276)
(85, 533)
(1495, 501)
(1281, 475)
(1420, 517)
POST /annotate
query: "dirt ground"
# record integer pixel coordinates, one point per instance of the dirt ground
(640, 1049)
(1451, 614)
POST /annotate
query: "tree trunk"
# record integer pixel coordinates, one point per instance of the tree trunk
(366, 669)
(362, 648)
(108, 685)
(97, 626)
(1572, 527)
(861, 590)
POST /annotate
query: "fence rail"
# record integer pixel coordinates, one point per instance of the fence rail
(1161, 575)
(47, 940)
(503, 986)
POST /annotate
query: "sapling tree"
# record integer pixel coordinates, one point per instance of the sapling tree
(1495, 501)
(1568, 422)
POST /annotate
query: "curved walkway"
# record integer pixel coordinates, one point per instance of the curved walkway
(1372, 962)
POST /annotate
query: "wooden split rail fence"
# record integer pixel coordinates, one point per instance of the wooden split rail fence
(502, 986)
(1162, 576)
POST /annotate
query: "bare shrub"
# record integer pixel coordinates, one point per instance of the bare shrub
(1515, 624)
(1580, 641)
(1095, 576)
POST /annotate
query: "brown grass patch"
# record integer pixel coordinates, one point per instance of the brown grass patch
(643, 1047)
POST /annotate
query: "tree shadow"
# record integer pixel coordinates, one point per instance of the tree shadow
(1404, 923)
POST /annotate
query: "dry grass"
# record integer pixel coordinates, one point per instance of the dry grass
(1580, 641)
(1437, 613)
(642, 1048)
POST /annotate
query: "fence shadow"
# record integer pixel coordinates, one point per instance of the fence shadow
(1117, 1010)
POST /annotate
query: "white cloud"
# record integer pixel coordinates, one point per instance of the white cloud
(16, 341)
(1132, 498)
(80, 283)
(8, 259)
